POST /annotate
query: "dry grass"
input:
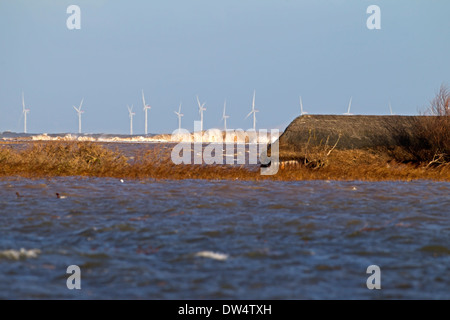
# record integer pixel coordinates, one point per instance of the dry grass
(61, 159)
(434, 131)
(49, 159)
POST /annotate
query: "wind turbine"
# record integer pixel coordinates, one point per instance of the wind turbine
(201, 108)
(349, 106)
(146, 108)
(131, 114)
(225, 117)
(390, 108)
(301, 107)
(78, 110)
(254, 111)
(179, 114)
(25, 112)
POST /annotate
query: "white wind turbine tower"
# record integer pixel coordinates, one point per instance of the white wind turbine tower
(301, 107)
(78, 110)
(253, 112)
(131, 114)
(390, 108)
(146, 108)
(25, 112)
(179, 114)
(201, 108)
(224, 116)
(349, 106)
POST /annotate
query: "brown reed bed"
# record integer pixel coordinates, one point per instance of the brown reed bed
(90, 159)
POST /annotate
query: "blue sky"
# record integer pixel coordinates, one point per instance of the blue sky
(321, 50)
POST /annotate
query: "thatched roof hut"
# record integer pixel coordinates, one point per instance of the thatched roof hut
(347, 132)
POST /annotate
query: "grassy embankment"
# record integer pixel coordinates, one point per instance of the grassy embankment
(50, 159)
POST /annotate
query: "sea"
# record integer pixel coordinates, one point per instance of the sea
(215, 239)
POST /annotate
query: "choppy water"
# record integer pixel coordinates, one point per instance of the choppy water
(281, 240)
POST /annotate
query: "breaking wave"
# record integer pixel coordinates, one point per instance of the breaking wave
(209, 136)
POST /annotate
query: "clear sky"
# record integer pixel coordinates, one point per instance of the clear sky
(224, 49)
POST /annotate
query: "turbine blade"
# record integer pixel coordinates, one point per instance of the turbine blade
(81, 103)
(23, 101)
(249, 114)
(143, 99)
(349, 105)
(253, 103)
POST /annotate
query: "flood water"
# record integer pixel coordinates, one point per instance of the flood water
(197, 239)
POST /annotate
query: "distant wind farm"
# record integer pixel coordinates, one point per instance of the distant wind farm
(201, 109)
